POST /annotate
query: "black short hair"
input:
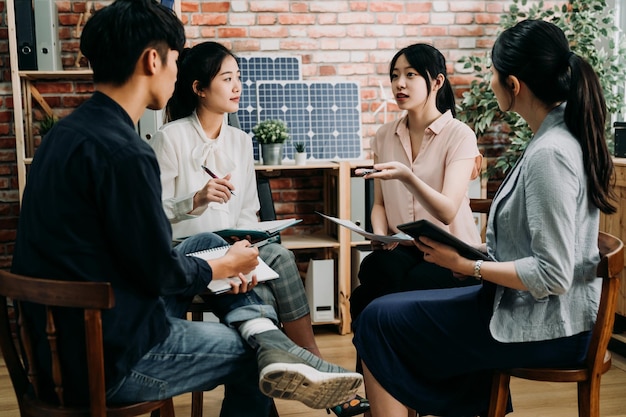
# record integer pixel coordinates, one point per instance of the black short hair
(114, 38)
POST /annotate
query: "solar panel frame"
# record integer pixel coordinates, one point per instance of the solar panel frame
(326, 115)
(262, 67)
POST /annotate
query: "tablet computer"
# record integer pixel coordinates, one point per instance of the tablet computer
(428, 229)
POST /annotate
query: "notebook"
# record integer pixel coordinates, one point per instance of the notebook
(217, 286)
(257, 232)
(428, 229)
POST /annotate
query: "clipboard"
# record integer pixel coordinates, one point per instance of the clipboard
(430, 230)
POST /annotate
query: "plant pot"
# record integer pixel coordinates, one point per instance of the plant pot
(300, 158)
(272, 153)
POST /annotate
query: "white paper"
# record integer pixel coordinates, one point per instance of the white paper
(398, 237)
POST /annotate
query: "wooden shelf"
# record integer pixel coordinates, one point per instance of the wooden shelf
(316, 241)
(79, 74)
(334, 241)
(290, 165)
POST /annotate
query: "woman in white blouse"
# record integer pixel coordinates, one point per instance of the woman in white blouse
(208, 87)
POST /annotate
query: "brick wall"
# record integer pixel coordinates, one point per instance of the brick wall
(353, 40)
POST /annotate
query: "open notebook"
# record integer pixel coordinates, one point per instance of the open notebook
(217, 286)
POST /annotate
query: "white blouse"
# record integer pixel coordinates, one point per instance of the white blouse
(181, 148)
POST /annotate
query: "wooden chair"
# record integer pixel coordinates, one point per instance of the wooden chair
(598, 359)
(92, 298)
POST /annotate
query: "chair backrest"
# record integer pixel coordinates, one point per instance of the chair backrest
(611, 265)
(609, 269)
(267, 211)
(19, 357)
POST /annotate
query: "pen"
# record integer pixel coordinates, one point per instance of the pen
(208, 171)
(261, 243)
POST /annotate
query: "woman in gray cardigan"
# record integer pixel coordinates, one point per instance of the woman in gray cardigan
(434, 351)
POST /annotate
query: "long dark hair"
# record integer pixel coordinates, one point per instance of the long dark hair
(537, 53)
(201, 63)
(428, 62)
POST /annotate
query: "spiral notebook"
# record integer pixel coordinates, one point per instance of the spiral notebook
(218, 286)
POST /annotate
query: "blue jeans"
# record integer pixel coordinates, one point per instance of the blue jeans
(199, 356)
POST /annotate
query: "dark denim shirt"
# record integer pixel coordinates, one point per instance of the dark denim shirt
(92, 211)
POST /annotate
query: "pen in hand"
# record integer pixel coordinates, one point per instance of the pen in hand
(208, 171)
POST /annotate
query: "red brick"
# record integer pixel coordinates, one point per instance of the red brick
(329, 6)
(419, 7)
(249, 45)
(387, 6)
(267, 19)
(209, 20)
(269, 6)
(215, 7)
(208, 32)
(484, 18)
(269, 32)
(328, 70)
(187, 6)
(7, 235)
(466, 31)
(300, 19)
(232, 32)
(299, 7)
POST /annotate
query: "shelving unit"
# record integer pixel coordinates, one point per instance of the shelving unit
(337, 198)
(23, 93)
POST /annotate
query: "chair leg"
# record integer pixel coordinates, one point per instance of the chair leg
(499, 394)
(589, 398)
(273, 410)
(196, 403)
(168, 409)
(197, 398)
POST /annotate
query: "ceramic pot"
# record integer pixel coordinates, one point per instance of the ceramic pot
(300, 158)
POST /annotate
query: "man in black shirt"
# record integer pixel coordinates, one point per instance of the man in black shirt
(92, 212)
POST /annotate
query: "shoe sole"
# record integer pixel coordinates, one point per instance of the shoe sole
(315, 389)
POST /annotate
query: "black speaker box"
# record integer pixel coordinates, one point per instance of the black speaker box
(620, 139)
(25, 34)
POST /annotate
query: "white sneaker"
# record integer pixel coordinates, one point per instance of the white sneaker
(301, 382)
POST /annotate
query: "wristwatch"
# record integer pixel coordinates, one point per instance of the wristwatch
(477, 266)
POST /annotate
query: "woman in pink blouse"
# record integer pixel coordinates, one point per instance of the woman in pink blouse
(426, 160)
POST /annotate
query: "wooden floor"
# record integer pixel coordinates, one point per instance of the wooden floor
(530, 399)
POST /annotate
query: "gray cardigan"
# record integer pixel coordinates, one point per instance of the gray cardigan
(543, 220)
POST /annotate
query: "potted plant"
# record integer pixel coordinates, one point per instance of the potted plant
(300, 156)
(590, 28)
(271, 135)
(46, 124)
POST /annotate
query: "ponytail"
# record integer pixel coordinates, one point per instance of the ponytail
(585, 116)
